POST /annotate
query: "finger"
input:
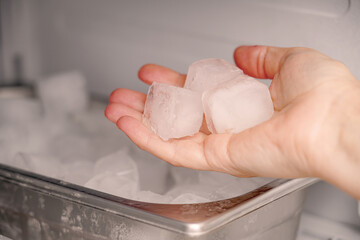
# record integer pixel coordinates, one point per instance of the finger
(114, 111)
(185, 152)
(133, 99)
(260, 61)
(150, 73)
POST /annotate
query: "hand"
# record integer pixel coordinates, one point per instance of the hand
(314, 132)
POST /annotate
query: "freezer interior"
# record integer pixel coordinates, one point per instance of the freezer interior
(51, 152)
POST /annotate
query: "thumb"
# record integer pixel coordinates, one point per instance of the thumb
(260, 61)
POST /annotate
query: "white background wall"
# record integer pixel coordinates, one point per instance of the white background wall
(110, 39)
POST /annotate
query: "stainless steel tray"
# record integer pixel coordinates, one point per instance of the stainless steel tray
(37, 207)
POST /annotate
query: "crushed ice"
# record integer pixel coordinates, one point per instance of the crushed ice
(63, 135)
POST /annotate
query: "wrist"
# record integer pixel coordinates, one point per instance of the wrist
(343, 160)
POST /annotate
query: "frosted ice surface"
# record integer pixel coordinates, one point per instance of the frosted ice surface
(239, 187)
(119, 163)
(4, 238)
(39, 163)
(236, 105)
(49, 129)
(69, 145)
(189, 198)
(94, 122)
(12, 140)
(227, 186)
(78, 171)
(153, 172)
(183, 175)
(172, 112)
(201, 190)
(64, 93)
(116, 183)
(149, 196)
(116, 174)
(76, 148)
(208, 73)
(20, 110)
(215, 178)
(102, 136)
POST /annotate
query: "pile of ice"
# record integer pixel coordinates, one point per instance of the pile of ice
(63, 135)
(230, 100)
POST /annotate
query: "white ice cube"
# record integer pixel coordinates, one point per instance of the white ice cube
(239, 187)
(20, 110)
(227, 186)
(71, 145)
(39, 163)
(201, 190)
(208, 73)
(149, 196)
(120, 163)
(78, 171)
(172, 112)
(13, 138)
(94, 122)
(64, 93)
(116, 174)
(216, 178)
(101, 135)
(153, 172)
(236, 105)
(188, 198)
(183, 175)
(114, 183)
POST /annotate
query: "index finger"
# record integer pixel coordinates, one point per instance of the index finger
(150, 73)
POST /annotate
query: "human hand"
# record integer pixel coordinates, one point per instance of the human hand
(314, 131)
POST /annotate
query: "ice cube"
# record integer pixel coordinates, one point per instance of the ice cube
(12, 140)
(102, 136)
(71, 145)
(153, 172)
(201, 190)
(94, 122)
(20, 110)
(183, 175)
(78, 171)
(39, 163)
(239, 187)
(114, 183)
(236, 105)
(208, 73)
(149, 196)
(216, 178)
(227, 186)
(116, 174)
(188, 198)
(172, 112)
(120, 163)
(64, 93)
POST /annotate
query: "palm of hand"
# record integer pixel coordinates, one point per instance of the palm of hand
(284, 146)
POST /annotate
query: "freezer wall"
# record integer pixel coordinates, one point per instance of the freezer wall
(109, 40)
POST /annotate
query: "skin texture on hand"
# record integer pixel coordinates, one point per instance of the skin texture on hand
(314, 132)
